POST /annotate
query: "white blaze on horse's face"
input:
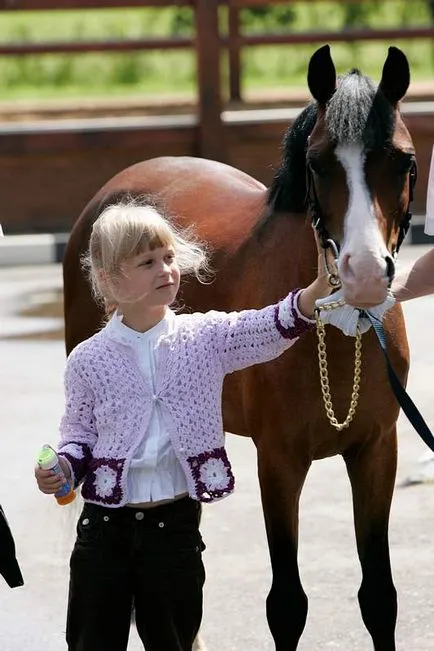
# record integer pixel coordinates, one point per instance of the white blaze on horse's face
(362, 261)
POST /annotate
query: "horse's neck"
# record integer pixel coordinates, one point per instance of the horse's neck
(279, 256)
(290, 244)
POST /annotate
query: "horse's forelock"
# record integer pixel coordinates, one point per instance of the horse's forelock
(358, 113)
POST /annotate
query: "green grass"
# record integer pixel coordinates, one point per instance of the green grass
(173, 72)
(270, 67)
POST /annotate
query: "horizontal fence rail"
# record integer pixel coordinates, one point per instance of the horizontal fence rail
(126, 45)
(58, 5)
(44, 5)
(342, 36)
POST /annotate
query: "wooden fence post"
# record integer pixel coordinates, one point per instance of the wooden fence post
(212, 136)
(234, 53)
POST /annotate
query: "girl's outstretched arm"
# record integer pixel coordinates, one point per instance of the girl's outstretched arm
(253, 336)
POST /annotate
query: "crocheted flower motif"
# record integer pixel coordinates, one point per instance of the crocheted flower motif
(214, 474)
(102, 482)
(105, 481)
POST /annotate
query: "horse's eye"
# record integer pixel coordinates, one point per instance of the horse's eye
(404, 168)
(403, 164)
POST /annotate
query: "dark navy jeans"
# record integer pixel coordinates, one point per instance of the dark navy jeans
(149, 558)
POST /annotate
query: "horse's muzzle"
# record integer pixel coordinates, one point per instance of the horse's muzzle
(365, 284)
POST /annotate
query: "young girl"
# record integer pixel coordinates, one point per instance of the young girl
(142, 431)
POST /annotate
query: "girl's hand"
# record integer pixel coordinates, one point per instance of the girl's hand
(48, 481)
(319, 288)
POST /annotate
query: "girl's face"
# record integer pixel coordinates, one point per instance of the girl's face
(150, 279)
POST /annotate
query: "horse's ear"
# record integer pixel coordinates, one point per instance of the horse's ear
(395, 79)
(321, 75)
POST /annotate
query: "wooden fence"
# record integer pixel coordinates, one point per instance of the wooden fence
(208, 43)
(80, 155)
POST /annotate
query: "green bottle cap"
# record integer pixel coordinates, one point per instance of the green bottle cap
(47, 457)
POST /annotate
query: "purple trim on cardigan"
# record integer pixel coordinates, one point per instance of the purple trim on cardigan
(212, 474)
(79, 466)
(300, 325)
(103, 481)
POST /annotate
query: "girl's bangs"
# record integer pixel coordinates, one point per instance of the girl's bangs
(151, 236)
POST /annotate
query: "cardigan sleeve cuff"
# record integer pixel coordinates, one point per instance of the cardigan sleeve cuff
(78, 456)
(290, 322)
(70, 468)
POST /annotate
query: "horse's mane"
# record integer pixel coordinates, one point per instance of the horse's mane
(358, 112)
(287, 191)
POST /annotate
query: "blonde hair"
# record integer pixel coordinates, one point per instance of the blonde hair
(124, 230)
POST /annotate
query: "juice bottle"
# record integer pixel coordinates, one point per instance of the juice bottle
(48, 460)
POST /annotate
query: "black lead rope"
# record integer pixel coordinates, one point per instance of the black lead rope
(406, 403)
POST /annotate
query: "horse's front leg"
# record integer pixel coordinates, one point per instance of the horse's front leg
(372, 471)
(281, 476)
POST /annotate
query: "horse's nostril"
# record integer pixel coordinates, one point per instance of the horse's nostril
(390, 268)
(345, 267)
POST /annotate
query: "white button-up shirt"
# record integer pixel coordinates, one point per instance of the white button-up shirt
(155, 473)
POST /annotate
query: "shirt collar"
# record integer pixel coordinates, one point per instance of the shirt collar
(122, 334)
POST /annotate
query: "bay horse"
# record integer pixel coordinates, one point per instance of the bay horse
(347, 162)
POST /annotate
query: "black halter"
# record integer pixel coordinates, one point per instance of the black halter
(406, 221)
(318, 221)
(317, 216)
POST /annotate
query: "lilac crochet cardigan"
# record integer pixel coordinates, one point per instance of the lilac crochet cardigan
(109, 403)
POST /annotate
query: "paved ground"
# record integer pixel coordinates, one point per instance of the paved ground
(32, 617)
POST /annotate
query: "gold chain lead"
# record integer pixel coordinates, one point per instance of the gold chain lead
(324, 375)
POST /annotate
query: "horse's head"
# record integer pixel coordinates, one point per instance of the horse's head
(350, 160)
(360, 169)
